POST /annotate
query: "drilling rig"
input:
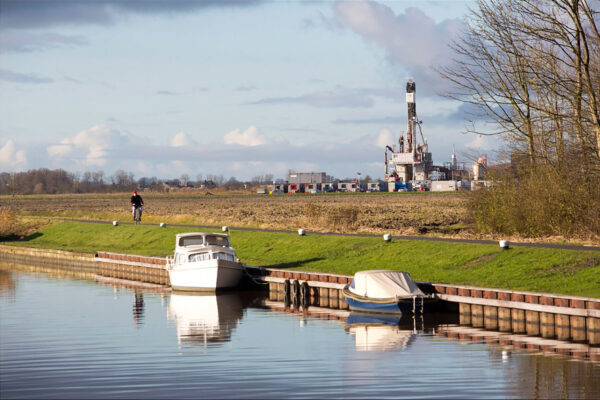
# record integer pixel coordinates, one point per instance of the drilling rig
(412, 162)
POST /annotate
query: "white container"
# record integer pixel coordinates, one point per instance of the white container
(387, 237)
(225, 229)
(163, 225)
(301, 232)
(503, 244)
(116, 223)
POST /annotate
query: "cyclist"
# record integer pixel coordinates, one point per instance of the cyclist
(136, 202)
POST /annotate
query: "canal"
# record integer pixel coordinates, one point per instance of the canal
(62, 337)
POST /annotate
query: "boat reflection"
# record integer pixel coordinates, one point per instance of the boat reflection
(138, 308)
(202, 319)
(374, 332)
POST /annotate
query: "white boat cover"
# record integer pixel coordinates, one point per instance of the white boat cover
(384, 284)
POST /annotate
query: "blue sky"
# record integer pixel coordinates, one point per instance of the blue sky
(233, 88)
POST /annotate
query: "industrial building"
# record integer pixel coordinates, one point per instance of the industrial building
(412, 161)
(408, 166)
(306, 177)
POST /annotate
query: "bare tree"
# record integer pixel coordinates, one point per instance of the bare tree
(531, 68)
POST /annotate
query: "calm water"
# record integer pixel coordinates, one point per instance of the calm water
(66, 338)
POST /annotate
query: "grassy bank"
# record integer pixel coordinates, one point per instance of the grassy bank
(573, 272)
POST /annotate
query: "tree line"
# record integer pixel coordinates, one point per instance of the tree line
(47, 181)
(530, 69)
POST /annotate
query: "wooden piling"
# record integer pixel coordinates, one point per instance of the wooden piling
(562, 327)
(334, 301)
(464, 316)
(532, 323)
(324, 297)
(490, 314)
(593, 330)
(504, 319)
(578, 332)
(547, 325)
(477, 316)
(518, 320)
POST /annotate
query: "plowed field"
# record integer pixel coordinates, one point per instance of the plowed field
(398, 213)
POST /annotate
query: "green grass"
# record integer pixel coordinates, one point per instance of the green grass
(572, 272)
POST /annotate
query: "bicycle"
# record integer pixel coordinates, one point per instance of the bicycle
(137, 215)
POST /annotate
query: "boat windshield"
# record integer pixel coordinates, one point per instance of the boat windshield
(199, 257)
(217, 241)
(191, 241)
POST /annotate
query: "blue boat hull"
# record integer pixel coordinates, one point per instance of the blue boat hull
(384, 306)
(367, 306)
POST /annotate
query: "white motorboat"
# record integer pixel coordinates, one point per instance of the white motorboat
(204, 262)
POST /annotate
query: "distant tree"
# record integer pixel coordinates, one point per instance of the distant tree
(184, 179)
(122, 180)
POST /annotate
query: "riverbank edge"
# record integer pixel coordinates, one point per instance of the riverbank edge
(319, 278)
(534, 314)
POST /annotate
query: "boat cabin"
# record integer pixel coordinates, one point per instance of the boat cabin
(200, 246)
(202, 239)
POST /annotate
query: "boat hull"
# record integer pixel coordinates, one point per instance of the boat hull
(207, 275)
(384, 306)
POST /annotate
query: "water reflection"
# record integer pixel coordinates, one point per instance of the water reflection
(201, 319)
(50, 347)
(7, 284)
(138, 308)
(380, 332)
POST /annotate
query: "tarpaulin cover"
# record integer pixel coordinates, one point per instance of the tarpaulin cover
(384, 284)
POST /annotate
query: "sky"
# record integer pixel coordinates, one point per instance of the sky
(233, 88)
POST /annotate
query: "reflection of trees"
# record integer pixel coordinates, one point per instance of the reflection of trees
(7, 284)
(539, 377)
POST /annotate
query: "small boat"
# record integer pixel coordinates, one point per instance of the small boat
(204, 262)
(384, 291)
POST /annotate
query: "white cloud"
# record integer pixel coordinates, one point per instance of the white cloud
(60, 150)
(478, 143)
(412, 38)
(249, 137)
(91, 147)
(10, 157)
(385, 138)
(182, 139)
